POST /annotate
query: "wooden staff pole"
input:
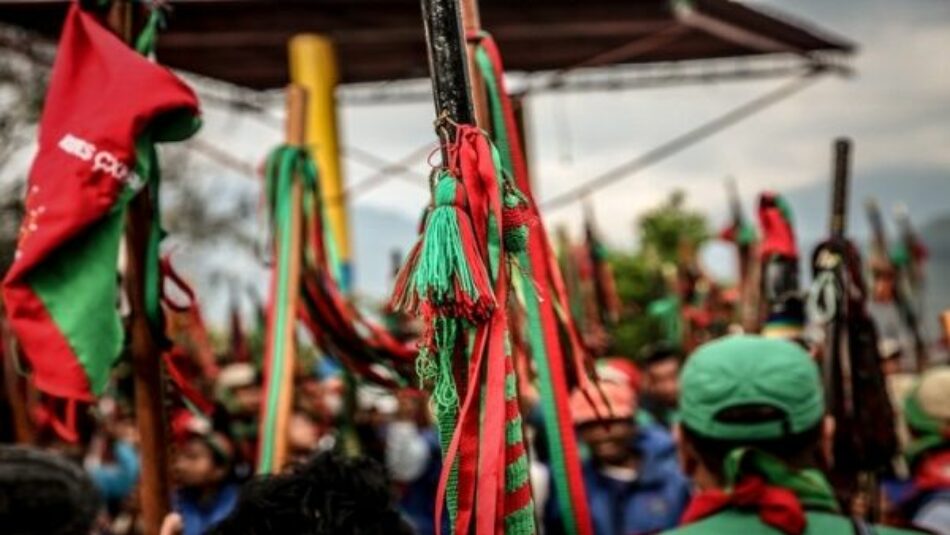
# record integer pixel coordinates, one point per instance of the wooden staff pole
(839, 193)
(296, 135)
(15, 386)
(472, 24)
(836, 341)
(147, 376)
(750, 302)
(448, 65)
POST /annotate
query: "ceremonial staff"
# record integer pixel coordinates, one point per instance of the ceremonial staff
(741, 233)
(281, 341)
(458, 279)
(95, 177)
(148, 383)
(744, 238)
(888, 280)
(915, 253)
(15, 386)
(854, 384)
(448, 66)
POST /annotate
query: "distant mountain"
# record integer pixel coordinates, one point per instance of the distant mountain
(936, 236)
(924, 190)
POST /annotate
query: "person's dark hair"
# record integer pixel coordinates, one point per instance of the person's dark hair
(659, 352)
(42, 493)
(330, 494)
(798, 450)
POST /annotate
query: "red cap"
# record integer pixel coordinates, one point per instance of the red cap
(621, 403)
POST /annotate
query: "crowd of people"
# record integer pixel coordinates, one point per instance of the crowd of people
(733, 438)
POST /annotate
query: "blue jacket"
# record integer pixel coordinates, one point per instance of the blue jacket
(654, 501)
(116, 480)
(198, 518)
(417, 499)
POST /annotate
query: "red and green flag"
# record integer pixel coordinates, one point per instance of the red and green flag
(105, 108)
(778, 231)
(784, 307)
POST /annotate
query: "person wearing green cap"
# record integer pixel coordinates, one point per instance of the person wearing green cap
(924, 500)
(752, 435)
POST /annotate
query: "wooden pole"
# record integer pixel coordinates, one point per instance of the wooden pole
(154, 486)
(836, 363)
(448, 65)
(471, 25)
(749, 268)
(296, 134)
(839, 194)
(15, 386)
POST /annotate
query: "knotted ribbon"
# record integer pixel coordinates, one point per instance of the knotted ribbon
(777, 506)
(758, 481)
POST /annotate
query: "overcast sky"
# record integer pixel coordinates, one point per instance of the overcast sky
(896, 108)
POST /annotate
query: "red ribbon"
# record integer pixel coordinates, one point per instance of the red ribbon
(478, 443)
(777, 506)
(547, 272)
(778, 236)
(933, 472)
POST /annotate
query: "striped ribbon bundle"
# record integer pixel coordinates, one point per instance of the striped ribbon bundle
(458, 279)
(559, 365)
(304, 287)
(290, 186)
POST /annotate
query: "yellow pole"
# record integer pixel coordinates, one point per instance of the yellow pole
(313, 66)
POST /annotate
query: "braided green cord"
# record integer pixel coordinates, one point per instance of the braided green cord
(445, 398)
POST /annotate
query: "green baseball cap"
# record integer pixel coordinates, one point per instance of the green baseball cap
(739, 371)
(927, 412)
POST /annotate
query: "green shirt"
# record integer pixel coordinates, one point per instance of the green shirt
(732, 521)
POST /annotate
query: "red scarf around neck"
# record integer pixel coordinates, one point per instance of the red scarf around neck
(777, 506)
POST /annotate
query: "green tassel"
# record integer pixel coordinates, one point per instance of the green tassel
(449, 273)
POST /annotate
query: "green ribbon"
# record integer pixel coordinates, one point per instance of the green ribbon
(146, 41)
(173, 126)
(284, 165)
(666, 311)
(523, 280)
(809, 484)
